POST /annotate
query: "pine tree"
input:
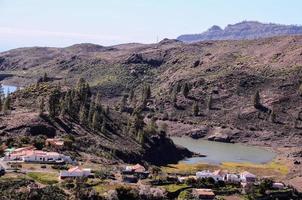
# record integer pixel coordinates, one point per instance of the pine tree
(273, 116)
(256, 100)
(210, 102)
(95, 120)
(195, 109)
(123, 103)
(186, 90)
(131, 96)
(54, 103)
(91, 113)
(45, 78)
(42, 107)
(83, 115)
(107, 110)
(7, 104)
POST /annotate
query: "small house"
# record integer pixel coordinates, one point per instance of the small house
(205, 194)
(75, 172)
(207, 174)
(247, 177)
(232, 178)
(55, 143)
(137, 170)
(31, 155)
(183, 179)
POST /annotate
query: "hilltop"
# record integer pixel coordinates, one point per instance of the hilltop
(243, 30)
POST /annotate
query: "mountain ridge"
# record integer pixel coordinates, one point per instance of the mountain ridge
(243, 30)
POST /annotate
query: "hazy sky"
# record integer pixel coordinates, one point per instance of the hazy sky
(106, 22)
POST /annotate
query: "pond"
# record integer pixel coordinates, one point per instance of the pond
(8, 89)
(217, 152)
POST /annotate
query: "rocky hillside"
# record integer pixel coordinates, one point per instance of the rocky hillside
(243, 30)
(98, 134)
(222, 79)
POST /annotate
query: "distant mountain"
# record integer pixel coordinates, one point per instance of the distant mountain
(243, 30)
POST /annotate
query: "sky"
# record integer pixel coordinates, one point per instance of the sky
(60, 23)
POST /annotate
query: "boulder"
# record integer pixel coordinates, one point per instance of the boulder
(219, 134)
(198, 132)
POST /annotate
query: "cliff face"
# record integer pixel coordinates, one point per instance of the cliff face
(243, 30)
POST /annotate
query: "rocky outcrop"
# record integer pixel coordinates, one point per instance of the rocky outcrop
(198, 132)
(163, 151)
(222, 134)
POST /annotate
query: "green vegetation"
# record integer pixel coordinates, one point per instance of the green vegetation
(44, 178)
(175, 187)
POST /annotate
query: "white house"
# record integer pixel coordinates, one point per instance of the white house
(32, 155)
(232, 178)
(183, 179)
(247, 177)
(75, 172)
(207, 174)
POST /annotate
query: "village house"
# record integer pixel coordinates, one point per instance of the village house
(137, 170)
(75, 172)
(204, 194)
(30, 154)
(247, 177)
(217, 176)
(183, 179)
(55, 143)
(232, 178)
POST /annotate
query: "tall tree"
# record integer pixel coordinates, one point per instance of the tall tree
(42, 106)
(96, 120)
(7, 104)
(256, 99)
(195, 109)
(54, 103)
(123, 103)
(186, 90)
(210, 102)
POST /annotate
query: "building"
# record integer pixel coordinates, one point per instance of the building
(137, 170)
(207, 174)
(54, 142)
(232, 178)
(183, 179)
(205, 194)
(247, 177)
(75, 172)
(29, 154)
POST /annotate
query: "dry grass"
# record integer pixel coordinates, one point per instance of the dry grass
(273, 169)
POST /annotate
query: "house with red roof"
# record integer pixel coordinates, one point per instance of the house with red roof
(75, 172)
(30, 154)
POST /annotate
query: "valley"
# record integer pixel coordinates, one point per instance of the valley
(244, 91)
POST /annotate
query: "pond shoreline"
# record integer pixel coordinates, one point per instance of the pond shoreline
(217, 152)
